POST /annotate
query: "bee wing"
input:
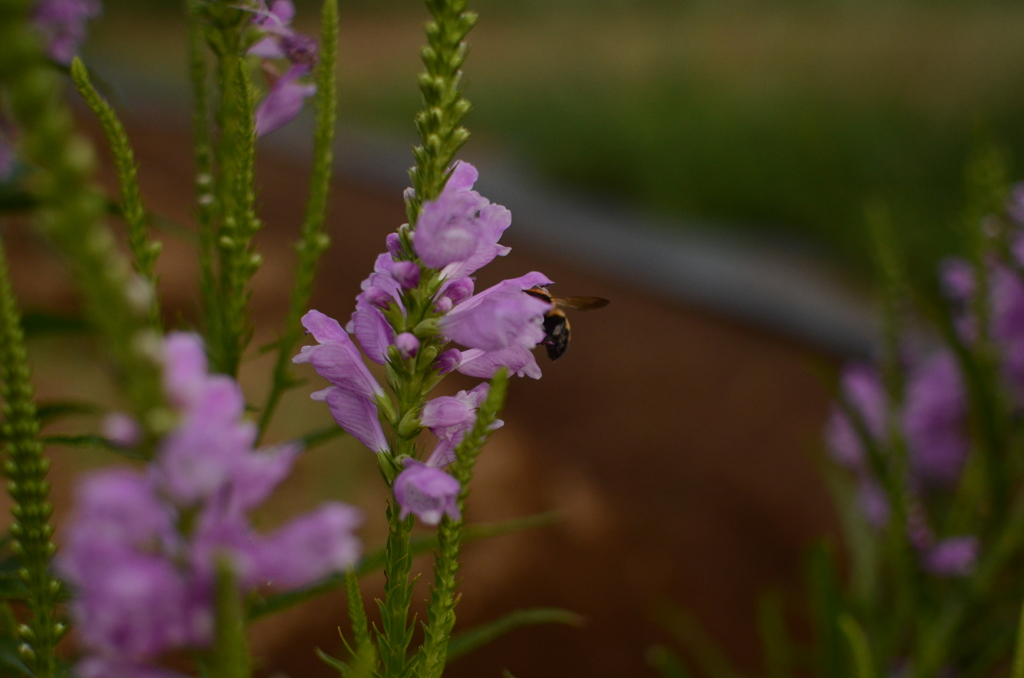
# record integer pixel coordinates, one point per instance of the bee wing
(580, 303)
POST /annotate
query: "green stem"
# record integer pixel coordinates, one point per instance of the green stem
(441, 609)
(144, 249)
(396, 633)
(26, 469)
(313, 240)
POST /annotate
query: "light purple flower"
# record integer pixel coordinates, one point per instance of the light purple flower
(952, 557)
(284, 100)
(355, 414)
(407, 344)
(459, 231)
(500, 316)
(62, 24)
(449, 418)
(144, 588)
(485, 364)
(406, 273)
(426, 492)
(185, 368)
(336, 359)
(116, 512)
(201, 455)
(281, 41)
(310, 547)
(935, 420)
(863, 391)
(134, 608)
(121, 429)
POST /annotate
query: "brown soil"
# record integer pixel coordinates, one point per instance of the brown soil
(679, 446)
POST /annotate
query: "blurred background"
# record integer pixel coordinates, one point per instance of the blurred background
(704, 164)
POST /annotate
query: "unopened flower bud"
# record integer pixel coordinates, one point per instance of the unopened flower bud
(443, 305)
(393, 243)
(459, 290)
(407, 344)
(448, 361)
(377, 297)
(122, 430)
(407, 273)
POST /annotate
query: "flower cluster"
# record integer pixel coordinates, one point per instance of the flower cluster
(287, 93)
(933, 424)
(419, 297)
(62, 24)
(142, 549)
(932, 417)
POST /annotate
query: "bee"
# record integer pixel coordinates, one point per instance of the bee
(556, 325)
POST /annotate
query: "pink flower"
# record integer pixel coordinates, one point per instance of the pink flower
(426, 492)
(459, 231)
(284, 100)
(500, 316)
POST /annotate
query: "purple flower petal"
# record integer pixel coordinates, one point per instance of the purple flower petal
(373, 332)
(62, 24)
(484, 364)
(863, 390)
(935, 420)
(426, 492)
(284, 101)
(953, 557)
(355, 414)
(310, 547)
(336, 359)
(462, 178)
(133, 609)
(185, 368)
(499, 317)
(446, 231)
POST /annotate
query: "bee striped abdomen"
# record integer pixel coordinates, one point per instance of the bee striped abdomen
(556, 328)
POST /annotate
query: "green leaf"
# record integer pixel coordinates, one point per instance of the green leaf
(335, 663)
(467, 641)
(826, 607)
(860, 649)
(771, 623)
(40, 323)
(374, 561)
(698, 644)
(666, 662)
(57, 409)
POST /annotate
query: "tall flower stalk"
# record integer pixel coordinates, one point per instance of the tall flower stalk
(25, 469)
